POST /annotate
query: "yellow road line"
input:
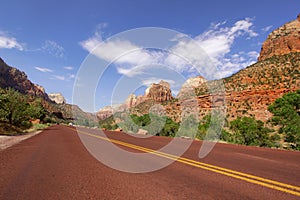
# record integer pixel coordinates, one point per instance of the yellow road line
(220, 170)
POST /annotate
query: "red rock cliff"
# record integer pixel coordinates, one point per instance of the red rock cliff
(284, 40)
(16, 79)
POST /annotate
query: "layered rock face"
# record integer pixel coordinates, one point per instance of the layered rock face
(250, 91)
(188, 88)
(57, 98)
(105, 112)
(283, 40)
(159, 92)
(14, 78)
(133, 100)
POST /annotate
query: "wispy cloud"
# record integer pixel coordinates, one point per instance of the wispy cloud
(149, 81)
(42, 69)
(68, 67)
(267, 28)
(58, 77)
(217, 42)
(53, 48)
(9, 42)
(116, 50)
(72, 76)
(130, 71)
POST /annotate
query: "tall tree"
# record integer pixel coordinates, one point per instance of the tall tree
(286, 112)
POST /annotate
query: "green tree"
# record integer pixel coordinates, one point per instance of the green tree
(36, 109)
(286, 114)
(249, 131)
(155, 125)
(188, 126)
(143, 120)
(203, 127)
(14, 107)
(17, 110)
(170, 128)
(214, 125)
(128, 125)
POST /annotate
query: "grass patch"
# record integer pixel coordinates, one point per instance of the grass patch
(37, 127)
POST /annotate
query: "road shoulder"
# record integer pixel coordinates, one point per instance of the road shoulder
(8, 141)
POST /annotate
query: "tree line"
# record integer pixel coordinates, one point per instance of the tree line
(283, 127)
(18, 110)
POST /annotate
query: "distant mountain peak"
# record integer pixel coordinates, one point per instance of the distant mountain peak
(57, 98)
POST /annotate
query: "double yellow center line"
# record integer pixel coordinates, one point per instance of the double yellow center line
(291, 189)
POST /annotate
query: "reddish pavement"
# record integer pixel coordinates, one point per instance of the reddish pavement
(56, 165)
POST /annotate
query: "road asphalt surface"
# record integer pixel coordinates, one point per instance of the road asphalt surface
(56, 165)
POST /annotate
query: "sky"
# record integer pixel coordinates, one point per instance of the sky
(104, 50)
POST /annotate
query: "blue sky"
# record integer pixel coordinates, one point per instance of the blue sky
(50, 40)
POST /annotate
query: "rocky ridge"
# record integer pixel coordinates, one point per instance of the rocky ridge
(284, 40)
(250, 91)
(14, 78)
(55, 104)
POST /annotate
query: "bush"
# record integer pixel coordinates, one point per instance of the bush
(286, 114)
(249, 131)
(211, 128)
(17, 109)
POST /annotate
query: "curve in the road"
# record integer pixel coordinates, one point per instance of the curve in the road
(291, 189)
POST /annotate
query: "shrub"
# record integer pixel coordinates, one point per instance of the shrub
(286, 114)
(249, 131)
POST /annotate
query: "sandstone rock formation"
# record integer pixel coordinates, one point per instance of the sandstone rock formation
(156, 92)
(159, 92)
(133, 100)
(105, 112)
(57, 98)
(284, 40)
(249, 92)
(188, 88)
(14, 78)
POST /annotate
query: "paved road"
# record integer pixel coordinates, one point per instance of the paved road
(56, 165)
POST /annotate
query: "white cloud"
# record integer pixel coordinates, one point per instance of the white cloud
(8, 42)
(58, 77)
(119, 51)
(43, 69)
(243, 26)
(53, 48)
(217, 42)
(68, 67)
(253, 54)
(236, 62)
(149, 81)
(68, 77)
(267, 28)
(72, 76)
(130, 72)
